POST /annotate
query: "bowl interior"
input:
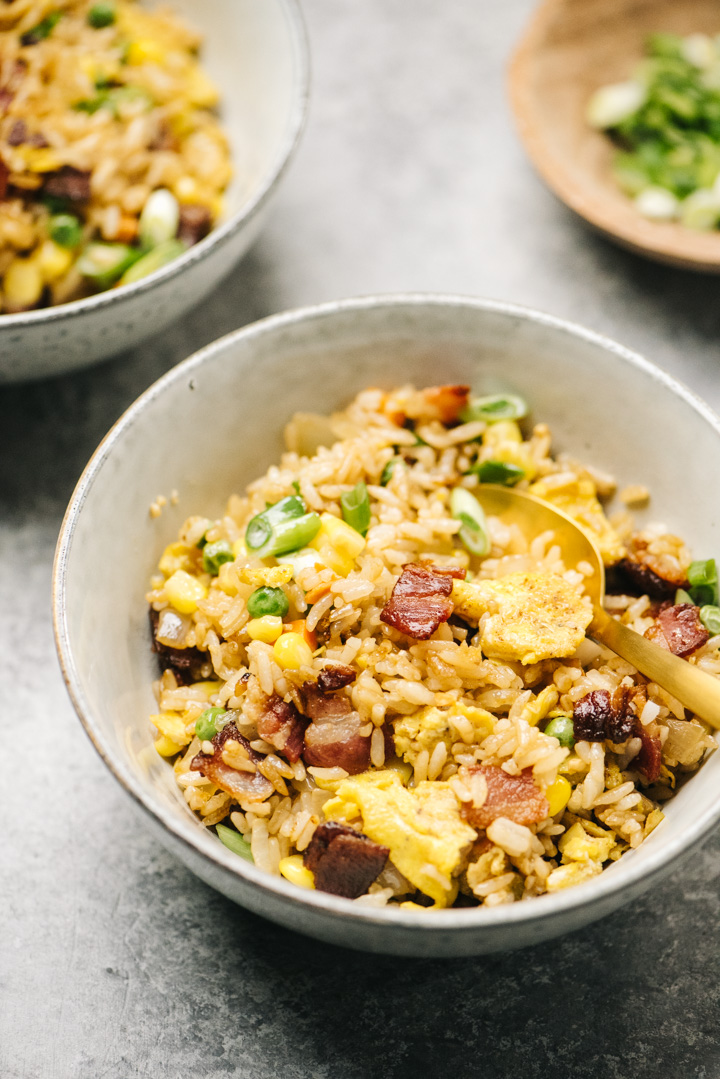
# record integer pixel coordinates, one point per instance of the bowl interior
(569, 50)
(215, 423)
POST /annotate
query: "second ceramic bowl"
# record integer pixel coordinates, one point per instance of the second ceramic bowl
(215, 422)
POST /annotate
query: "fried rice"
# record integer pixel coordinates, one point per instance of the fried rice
(112, 160)
(472, 756)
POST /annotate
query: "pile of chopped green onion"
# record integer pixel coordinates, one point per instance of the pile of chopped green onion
(666, 121)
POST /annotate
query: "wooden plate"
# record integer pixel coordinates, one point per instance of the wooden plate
(570, 48)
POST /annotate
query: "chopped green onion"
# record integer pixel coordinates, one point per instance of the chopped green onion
(207, 723)
(466, 508)
(42, 30)
(66, 230)
(154, 260)
(267, 600)
(561, 727)
(681, 596)
(101, 15)
(498, 472)
(113, 99)
(159, 218)
(105, 263)
(281, 528)
(296, 486)
(387, 473)
(496, 407)
(710, 618)
(215, 554)
(703, 580)
(234, 842)
(355, 507)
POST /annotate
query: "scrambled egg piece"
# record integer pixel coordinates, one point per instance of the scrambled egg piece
(578, 498)
(422, 827)
(583, 856)
(503, 441)
(525, 616)
(427, 727)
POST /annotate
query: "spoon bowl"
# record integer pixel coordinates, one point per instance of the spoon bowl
(694, 688)
(569, 49)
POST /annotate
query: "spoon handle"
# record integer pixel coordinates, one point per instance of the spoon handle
(694, 688)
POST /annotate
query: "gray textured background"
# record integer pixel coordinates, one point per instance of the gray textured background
(114, 960)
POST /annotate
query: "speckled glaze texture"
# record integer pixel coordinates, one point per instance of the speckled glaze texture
(223, 401)
(256, 52)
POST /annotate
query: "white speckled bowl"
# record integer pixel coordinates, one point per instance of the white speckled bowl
(223, 411)
(256, 52)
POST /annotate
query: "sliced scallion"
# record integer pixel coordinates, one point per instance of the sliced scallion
(466, 509)
(234, 842)
(495, 407)
(105, 263)
(710, 618)
(153, 260)
(215, 554)
(703, 580)
(355, 505)
(498, 472)
(387, 473)
(281, 528)
(681, 596)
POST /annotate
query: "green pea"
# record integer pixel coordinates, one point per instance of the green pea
(206, 724)
(267, 600)
(234, 842)
(561, 727)
(65, 230)
(710, 618)
(214, 554)
(101, 15)
(498, 472)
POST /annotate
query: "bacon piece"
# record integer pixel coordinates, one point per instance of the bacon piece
(4, 173)
(283, 727)
(245, 786)
(420, 599)
(516, 797)
(343, 861)
(195, 222)
(335, 676)
(649, 759)
(185, 663)
(338, 743)
(679, 629)
(19, 136)
(597, 716)
(68, 183)
(447, 401)
(638, 579)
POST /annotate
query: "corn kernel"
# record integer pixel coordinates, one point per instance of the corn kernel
(292, 651)
(292, 869)
(183, 592)
(175, 556)
(166, 747)
(144, 51)
(200, 91)
(267, 629)
(338, 544)
(23, 284)
(54, 261)
(172, 726)
(40, 158)
(208, 689)
(558, 795)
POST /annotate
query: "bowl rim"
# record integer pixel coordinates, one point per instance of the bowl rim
(596, 893)
(217, 237)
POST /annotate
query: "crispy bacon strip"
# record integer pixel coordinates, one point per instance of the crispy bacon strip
(649, 759)
(598, 716)
(283, 727)
(420, 599)
(516, 797)
(333, 738)
(679, 629)
(343, 861)
(68, 183)
(4, 174)
(245, 786)
(335, 676)
(185, 663)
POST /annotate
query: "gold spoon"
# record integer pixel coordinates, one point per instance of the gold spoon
(694, 688)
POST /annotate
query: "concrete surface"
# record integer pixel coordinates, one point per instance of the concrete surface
(114, 961)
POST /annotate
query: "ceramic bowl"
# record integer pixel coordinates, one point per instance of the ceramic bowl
(569, 49)
(256, 52)
(222, 411)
